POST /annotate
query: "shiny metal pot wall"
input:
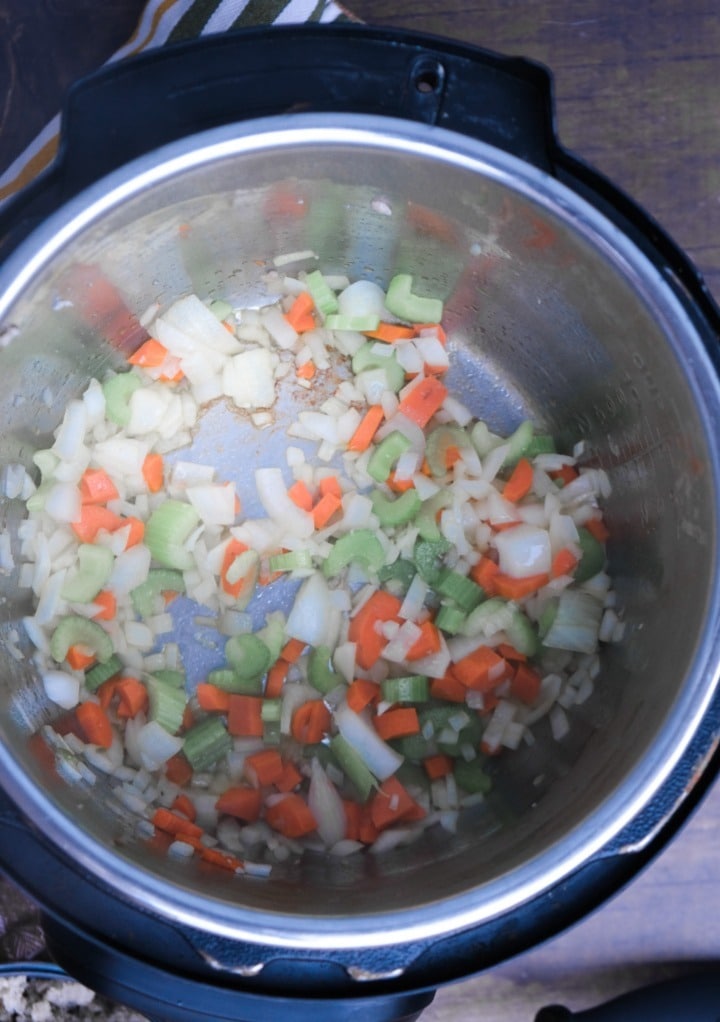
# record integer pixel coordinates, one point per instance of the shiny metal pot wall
(553, 314)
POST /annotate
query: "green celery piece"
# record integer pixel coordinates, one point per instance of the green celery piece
(167, 703)
(367, 358)
(73, 630)
(460, 589)
(592, 557)
(439, 441)
(428, 555)
(518, 443)
(396, 577)
(248, 656)
(426, 519)
(117, 391)
(337, 321)
(291, 561)
(322, 294)
(101, 673)
(271, 711)
(47, 461)
(392, 512)
(547, 617)
(167, 529)
(226, 679)
(410, 688)
(385, 455)
(320, 672)
(353, 766)
(95, 564)
(169, 676)
(221, 309)
(402, 302)
(450, 618)
(522, 634)
(360, 546)
(273, 634)
(160, 580)
(471, 777)
(206, 742)
(541, 443)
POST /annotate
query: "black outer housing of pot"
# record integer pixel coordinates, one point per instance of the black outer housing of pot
(174, 973)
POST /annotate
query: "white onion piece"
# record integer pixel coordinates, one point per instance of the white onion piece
(130, 570)
(524, 550)
(214, 502)
(377, 755)
(71, 432)
(249, 378)
(362, 298)
(313, 616)
(155, 745)
(326, 806)
(63, 503)
(62, 688)
(191, 316)
(121, 456)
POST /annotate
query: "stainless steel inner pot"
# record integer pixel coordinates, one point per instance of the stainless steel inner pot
(553, 314)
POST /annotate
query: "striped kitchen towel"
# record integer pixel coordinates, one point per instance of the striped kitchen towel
(169, 21)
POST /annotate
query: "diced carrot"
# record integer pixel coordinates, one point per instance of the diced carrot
(211, 698)
(419, 328)
(452, 455)
(39, 748)
(107, 602)
(520, 481)
(216, 857)
(232, 550)
(437, 766)
(263, 767)
(353, 813)
(392, 803)
(93, 518)
(516, 588)
(369, 424)
(330, 484)
(300, 314)
(276, 679)
(306, 370)
(564, 563)
(132, 697)
(324, 509)
(300, 495)
(311, 722)
(399, 485)
(96, 487)
(504, 526)
(240, 801)
(510, 653)
(175, 824)
(80, 657)
(149, 355)
(289, 779)
(291, 816)
(378, 609)
(136, 531)
(423, 400)
(188, 718)
(245, 716)
(361, 693)
(565, 474)
(597, 528)
(368, 833)
(480, 670)
(178, 770)
(185, 805)
(391, 332)
(398, 722)
(153, 471)
(448, 688)
(95, 724)
(292, 650)
(106, 693)
(427, 643)
(525, 684)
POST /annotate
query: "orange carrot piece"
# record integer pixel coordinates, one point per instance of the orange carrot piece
(93, 518)
(149, 355)
(330, 484)
(565, 474)
(525, 683)
(132, 697)
(276, 679)
(95, 724)
(80, 657)
(153, 471)
(484, 573)
(480, 670)
(175, 824)
(263, 767)
(448, 688)
(437, 766)
(188, 718)
(363, 630)
(291, 816)
(178, 770)
(426, 398)
(324, 509)
(136, 533)
(399, 485)
(419, 328)
(564, 563)
(597, 528)
(106, 693)
(244, 716)
(427, 643)
(96, 487)
(185, 805)
(361, 693)
(216, 857)
(311, 722)
(520, 481)
(232, 550)
(307, 370)
(368, 833)
(289, 779)
(241, 801)
(300, 495)
(392, 803)
(369, 425)
(211, 698)
(390, 332)
(397, 723)
(353, 813)
(510, 653)
(300, 314)
(516, 588)
(292, 650)
(107, 603)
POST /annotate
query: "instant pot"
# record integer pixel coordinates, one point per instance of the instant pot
(383, 152)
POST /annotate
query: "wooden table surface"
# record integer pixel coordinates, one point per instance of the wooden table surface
(637, 96)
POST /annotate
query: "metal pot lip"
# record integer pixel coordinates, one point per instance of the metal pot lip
(488, 901)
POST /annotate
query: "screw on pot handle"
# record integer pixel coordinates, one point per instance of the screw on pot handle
(693, 998)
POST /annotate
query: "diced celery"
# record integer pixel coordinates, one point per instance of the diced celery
(518, 442)
(441, 440)
(471, 777)
(353, 765)
(206, 742)
(271, 711)
(396, 577)
(386, 454)
(167, 703)
(541, 443)
(592, 558)
(221, 309)
(398, 511)
(402, 302)
(361, 546)
(291, 561)
(576, 624)
(95, 563)
(229, 681)
(322, 294)
(273, 634)
(460, 589)
(102, 672)
(428, 555)
(145, 597)
(117, 391)
(73, 631)
(337, 321)
(450, 618)
(410, 688)
(167, 530)
(367, 358)
(248, 655)
(320, 672)
(522, 634)
(426, 519)
(170, 677)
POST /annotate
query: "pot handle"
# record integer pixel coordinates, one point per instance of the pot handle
(693, 998)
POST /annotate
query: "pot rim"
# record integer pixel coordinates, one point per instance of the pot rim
(605, 825)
